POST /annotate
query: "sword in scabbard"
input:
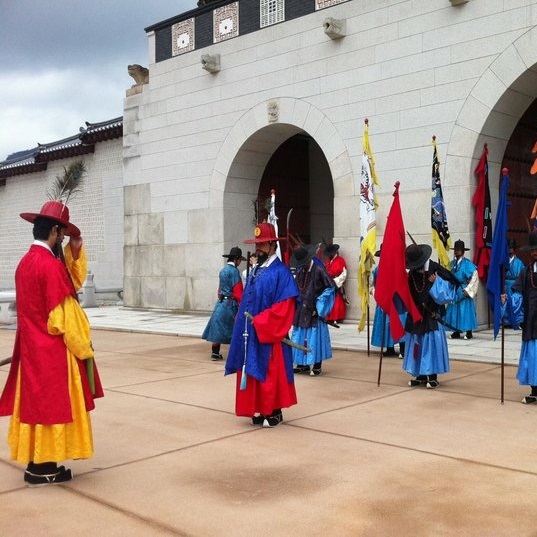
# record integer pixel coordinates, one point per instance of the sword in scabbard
(285, 340)
(439, 319)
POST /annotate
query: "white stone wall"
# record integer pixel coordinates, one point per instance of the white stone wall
(97, 210)
(198, 142)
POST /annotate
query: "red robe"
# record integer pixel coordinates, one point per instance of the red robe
(335, 267)
(42, 283)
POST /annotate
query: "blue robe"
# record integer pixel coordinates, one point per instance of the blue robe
(220, 325)
(426, 351)
(516, 266)
(382, 323)
(461, 313)
(523, 302)
(316, 300)
(265, 287)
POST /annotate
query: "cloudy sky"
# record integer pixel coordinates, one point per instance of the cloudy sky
(64, 62)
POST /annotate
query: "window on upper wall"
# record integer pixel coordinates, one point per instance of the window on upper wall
(272, 11)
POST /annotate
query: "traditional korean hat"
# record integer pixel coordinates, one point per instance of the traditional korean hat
(417, 255)
(57, 211)
(264, 233)
(331, 249)
(302, 256)
(236, 253)
(59, 193)
(512, 243)
(459, 245)
(532, 238)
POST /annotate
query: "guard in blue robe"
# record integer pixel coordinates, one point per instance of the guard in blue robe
(220, 325)
(381, 324)
(461, 312)
(316, 300)
(431, 286)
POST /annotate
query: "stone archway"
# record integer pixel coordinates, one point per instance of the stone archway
(490, 114)
(250, 144)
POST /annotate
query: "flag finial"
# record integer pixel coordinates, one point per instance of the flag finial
(272, 192)
(366, 121)
(396, 186)
(486, 146)
(505, 171)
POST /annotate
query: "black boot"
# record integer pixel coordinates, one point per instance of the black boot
(215, 352)
(316, 369)
(274, 419)
(432, 382)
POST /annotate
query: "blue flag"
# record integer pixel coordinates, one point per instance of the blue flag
(499, 257)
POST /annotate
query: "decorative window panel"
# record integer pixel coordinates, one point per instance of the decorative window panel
(321, 4)
(226, 22)
(271, 12)
(183, 37)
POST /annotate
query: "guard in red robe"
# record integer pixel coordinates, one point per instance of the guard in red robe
(53, 380)
(263, 363)
(337, 269)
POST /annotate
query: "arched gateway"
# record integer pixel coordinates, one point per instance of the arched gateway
(250, 147)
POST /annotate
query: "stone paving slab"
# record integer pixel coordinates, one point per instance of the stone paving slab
(351, 459)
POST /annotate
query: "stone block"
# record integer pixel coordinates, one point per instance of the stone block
(175, 293)
(153, 292)
(137, 199)
(151, 229)
(174, 261)
(132, 296)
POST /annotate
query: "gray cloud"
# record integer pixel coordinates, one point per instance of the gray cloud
(65, 62)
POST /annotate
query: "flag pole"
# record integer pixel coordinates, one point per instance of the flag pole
(368, 334)
(381, 352)
(505, 172)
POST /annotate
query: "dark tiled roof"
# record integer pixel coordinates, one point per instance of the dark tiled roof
(34, 160)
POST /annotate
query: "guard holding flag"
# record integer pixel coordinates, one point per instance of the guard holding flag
(426, 351)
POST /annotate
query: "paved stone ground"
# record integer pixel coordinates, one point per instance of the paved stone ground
(351, 459)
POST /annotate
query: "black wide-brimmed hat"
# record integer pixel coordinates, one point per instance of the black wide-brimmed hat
(302, 255)
(459, 245)
(417, 255)
(331, 249)
(532, 242)
(236, 253)
(512, 243)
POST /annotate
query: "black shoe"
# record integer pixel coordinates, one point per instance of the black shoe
(529, 399)
(258, 420)
(432, 384)
(216, 356)
(390, 351)
(455, 335)
(35, 480)
(469, 335)
(273, 420)
(416, 382)
(315, 372)
(301, 369)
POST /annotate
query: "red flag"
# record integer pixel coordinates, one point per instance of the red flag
(483, 217)
(392, 278)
